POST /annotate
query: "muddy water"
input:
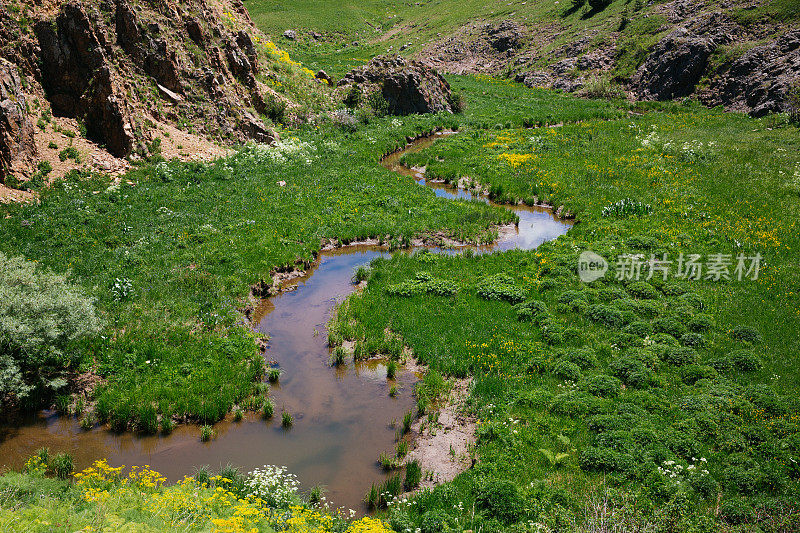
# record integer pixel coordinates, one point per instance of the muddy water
(342, 415)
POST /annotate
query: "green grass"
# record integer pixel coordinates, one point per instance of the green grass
(580, 393)
(171, 256)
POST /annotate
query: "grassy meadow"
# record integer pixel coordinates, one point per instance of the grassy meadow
(664, 405)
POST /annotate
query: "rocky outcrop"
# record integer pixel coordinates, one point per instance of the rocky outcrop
(674, 67)
(759, 80)
(79, 80)
(16, 131)
(408, 86)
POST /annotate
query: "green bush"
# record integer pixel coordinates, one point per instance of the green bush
(642, 289)
(567, 370)
(669, 325)
(744, 360)
(603, 385)
(693, 340)
(531, 311)
(502, 500)
(500, 287)
(679, 356)
(606, 315)
(747, 334)
(42, 316)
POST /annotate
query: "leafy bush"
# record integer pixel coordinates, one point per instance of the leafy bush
(606, 315)
(691, 374)
(747, 334)
(41, 316)
(423, 283)
(434, 521)
(679, 356)
(603, 385)
(631, 370)
(700, 323)
(744, 360)
(693, 340)
(639, 328)
(585, 358)
(567, 370)
(500, 287)
(502, 500)
(669, 325)
(531, 311)
(642, 289)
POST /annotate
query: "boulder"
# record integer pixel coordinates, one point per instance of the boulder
(16, 131)
(195, 31)
(323, 76)
(674, 67)
(290, 34)
(408, 86)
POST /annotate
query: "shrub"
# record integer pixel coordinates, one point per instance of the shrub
(737, 511)
(567, 370)
(599, 5)
(643, 290)
(700, 323)
(502, 500)
(744, 360)
(596, 459)
(531, 311)
(433, 521)
(669, 325)
(606, 315)
(693, 340)
(639, 328)
(631, 370)
(747, 334)
(679, 356)
(41, 316)
(693, 373)
(603, 385)
(500, 287)
(674, 288)
(693, 300)
(585, 358)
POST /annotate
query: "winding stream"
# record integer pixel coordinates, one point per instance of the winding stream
(342, 415)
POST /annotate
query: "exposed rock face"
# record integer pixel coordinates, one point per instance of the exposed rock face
(506, 36)
(758, 80)
(16, 131)
(408, 86)
(674, 67)
(79, 81)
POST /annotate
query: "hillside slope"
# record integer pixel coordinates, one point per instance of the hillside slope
(740, 54)
(96, 84)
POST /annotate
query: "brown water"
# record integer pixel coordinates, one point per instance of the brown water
(342, 415)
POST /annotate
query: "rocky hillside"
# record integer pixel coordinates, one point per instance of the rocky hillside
(743, 55)
(98, 84)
